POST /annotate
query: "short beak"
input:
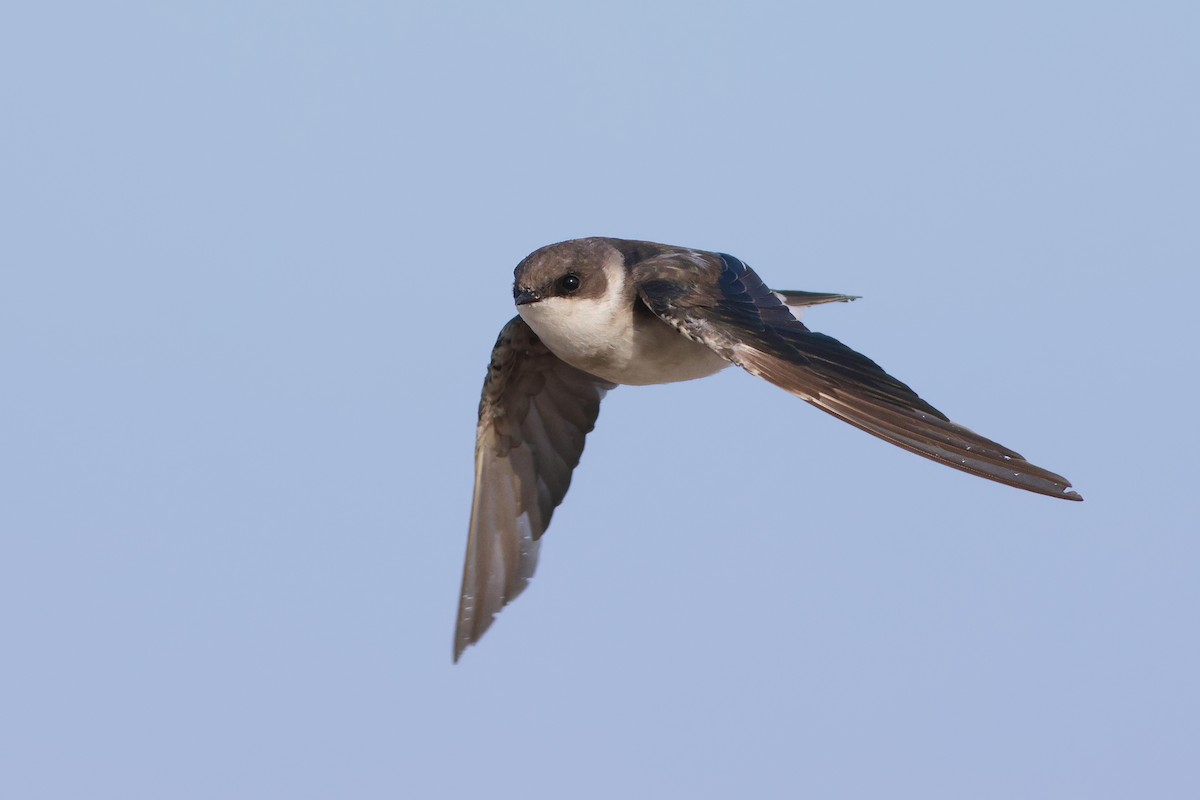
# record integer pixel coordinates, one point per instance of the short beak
(523, 296)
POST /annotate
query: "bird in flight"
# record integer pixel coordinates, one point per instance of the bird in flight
(594, 313)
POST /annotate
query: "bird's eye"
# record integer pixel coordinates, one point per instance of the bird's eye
(568, 283)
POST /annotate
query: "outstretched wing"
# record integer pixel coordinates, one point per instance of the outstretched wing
(533, 416)
(746, 323)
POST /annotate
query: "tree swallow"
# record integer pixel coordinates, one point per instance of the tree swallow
(594, 313)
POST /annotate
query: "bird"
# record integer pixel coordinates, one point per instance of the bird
(598, 312)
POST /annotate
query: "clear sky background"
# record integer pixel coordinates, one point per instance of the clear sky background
(254, 257)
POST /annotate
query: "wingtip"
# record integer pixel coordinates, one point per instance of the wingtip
(460, 647)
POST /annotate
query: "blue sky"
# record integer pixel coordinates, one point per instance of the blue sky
(255, 256)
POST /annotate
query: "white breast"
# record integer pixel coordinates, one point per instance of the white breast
(602, 336)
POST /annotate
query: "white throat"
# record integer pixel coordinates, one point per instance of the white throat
(602, 336)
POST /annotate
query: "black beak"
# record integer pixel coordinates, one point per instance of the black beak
(523, 296)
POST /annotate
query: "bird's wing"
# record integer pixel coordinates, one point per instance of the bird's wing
(718, 301)
(533, 416)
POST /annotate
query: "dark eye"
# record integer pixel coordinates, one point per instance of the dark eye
(568, 283)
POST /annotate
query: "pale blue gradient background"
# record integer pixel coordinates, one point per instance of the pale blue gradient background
(254, 258)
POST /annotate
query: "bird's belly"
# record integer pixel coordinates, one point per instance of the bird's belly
(637, 353)
(660, 355)
(618, 344)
